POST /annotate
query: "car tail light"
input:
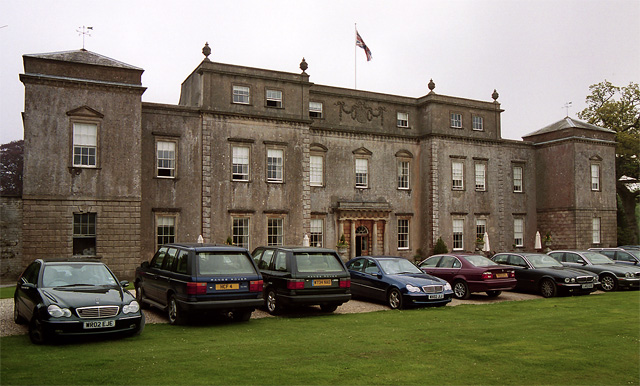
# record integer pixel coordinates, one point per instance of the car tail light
(345, 283)
(196, 288)
(295, 284)
(256, 286)
(486, 275)
(512, 273)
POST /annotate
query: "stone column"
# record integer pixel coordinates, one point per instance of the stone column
(374, 246)
(352, 245)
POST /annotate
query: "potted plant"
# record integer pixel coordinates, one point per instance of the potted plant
(479, 243)
(547, 241)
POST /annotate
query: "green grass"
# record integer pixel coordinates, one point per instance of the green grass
(585, 340)
(7, 292)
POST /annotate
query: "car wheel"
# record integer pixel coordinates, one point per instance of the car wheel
(608, 282)
(271, 302)
(241, 315)
(328, 307)
(493, 294)
(175, 315)
(17, 318)
(140, 295)
(36, 331)
(461, 290)
(548, 288)
(394, 299)
(140, 328)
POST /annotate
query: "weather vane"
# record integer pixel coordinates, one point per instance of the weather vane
(566, 106)
(84, 32)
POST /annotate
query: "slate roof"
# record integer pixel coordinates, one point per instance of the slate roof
(85, 57)
(568, 123)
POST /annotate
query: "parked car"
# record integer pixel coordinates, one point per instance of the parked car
(296, 276)
(637, 247)
(539, 273)
(612, 276)
(196, 279)
(469, 273)
(619, 255)
(397, 282)
(64, 298)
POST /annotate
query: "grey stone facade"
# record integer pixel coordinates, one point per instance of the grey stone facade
(247, 161)
(10, 238)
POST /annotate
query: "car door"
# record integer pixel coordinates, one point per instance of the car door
(27, 295)
(624, 257)
(430, 265)
(448, 268)
(152, 279)
(373, 283)
(526, 276)
(356, 270)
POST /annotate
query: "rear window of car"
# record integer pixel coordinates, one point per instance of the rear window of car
(479, 261)
(224, 263)
(317, 262)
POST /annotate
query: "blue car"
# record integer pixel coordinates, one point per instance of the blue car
(397, 282)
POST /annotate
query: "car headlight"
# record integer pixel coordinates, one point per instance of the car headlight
(628, 274)
(447, 286)
(412, 288)
(567, 280)
(58, 312)
(131, 308)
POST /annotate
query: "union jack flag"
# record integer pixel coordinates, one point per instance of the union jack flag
(360, 43)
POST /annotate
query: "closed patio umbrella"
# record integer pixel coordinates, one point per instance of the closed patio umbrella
(486, 247)
(538, 244)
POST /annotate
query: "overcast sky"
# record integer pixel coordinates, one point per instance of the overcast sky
(538, 55)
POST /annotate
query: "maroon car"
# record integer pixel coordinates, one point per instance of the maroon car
(469, 273)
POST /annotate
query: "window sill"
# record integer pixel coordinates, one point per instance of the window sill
(166, 178)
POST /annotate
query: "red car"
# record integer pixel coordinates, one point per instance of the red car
(469, 273)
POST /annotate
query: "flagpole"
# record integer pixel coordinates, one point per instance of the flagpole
(355, 58)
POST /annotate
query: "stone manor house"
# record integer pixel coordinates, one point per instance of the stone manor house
(257, 157)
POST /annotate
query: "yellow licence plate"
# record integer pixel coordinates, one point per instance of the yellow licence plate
(322, 282)
(501, 275)
(227, 286)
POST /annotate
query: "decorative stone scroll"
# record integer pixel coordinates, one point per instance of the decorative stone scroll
(360, 112)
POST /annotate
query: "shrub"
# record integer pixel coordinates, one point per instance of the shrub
(440, 247)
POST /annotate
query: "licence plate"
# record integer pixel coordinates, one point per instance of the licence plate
(321, 282)
(590, 285)
(501, 275)
(436, 296)
(100, 324)
(227, 286)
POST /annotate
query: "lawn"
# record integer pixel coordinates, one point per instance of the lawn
(585, 340)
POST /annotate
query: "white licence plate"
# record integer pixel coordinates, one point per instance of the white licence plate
(590, 285)
(99, 324)
(436, 296)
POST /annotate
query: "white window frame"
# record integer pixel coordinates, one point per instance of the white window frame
(242, 95)
(595, 230)
(595, 177)
(275, 231)
(316, 170)
(518, 178)
(481, 176)
(275, 165)
(404, 167)
(477, 123)
(85, 227)
(457, 175)
(168, 223)
(402, 119)
(458, 234)
(456, 120)
(85, 145)
(315, 110)
(403, 233)
(166, 158)
(518, 232)
(240, 231)
(240, 163)
(316, 237)
(362, 173)
(481, 228)
(274, 98)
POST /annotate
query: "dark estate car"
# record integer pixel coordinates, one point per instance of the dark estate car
(190, 279)
(302, 276)
(540, 273)
(620, 255)
(63, 298)
(469, 273)
(396, 281)
(612, 276)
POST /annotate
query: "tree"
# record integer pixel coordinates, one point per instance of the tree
(618, 109)
(11, 156)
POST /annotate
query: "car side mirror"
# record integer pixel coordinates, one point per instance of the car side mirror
(379, 275)
(145, 264)
(124, 283)
(581, 262)
(25, 286)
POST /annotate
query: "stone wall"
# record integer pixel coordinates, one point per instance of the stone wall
(10, 239)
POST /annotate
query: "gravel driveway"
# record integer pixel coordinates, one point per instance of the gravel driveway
(8, 327)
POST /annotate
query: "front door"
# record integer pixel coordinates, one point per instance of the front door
(362, 241)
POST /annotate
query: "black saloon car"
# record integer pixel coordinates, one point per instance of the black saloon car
(539, 273)
(397, 282)
(195, 279)
(302, 276)
(612, 276)
(64, 298)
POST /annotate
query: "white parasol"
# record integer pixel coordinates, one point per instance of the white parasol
(486, 247)
(538, 244)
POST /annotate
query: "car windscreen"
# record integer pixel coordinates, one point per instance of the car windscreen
(543, 261)
(480, 261)
(398, 266)
(224, 263)
(77, 274)
(597, 258)
(318, 262)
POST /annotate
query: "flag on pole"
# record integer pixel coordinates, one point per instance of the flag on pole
(360, 43)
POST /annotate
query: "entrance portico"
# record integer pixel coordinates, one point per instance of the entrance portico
(364, 226)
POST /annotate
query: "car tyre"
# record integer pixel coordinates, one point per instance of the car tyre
(241, 315)
(36, 331)
(461, 290)
(272, 303)
(394, 298)
(17, 318)
(548, 288)
(493, 294)
(328, 307)
(176, 316)
(140, 296)
(140, 328)
(608, 282)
